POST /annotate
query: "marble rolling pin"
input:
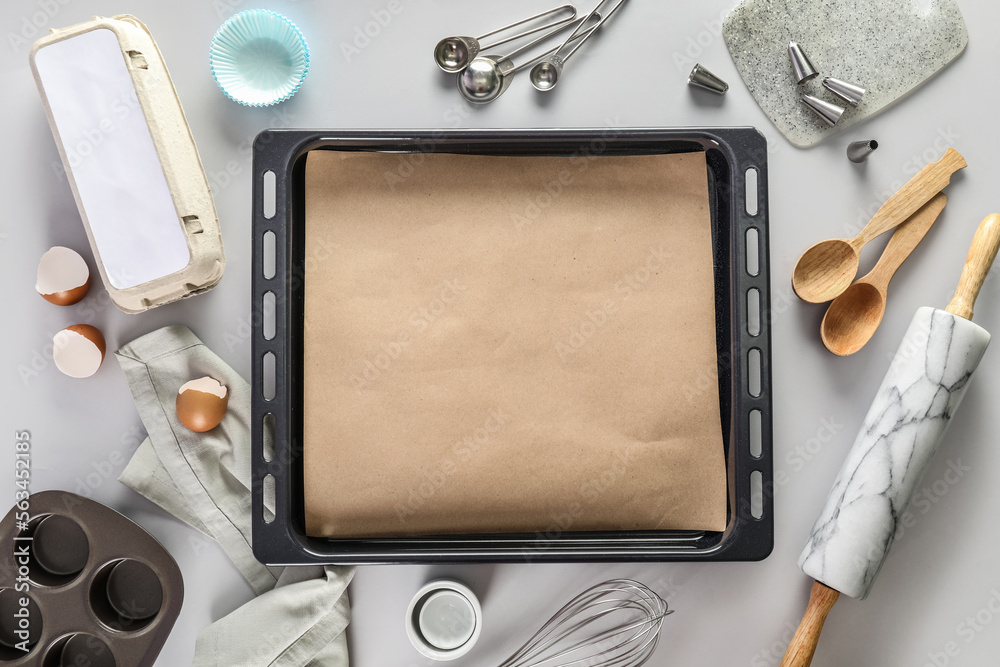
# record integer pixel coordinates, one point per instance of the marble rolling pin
(921, 391)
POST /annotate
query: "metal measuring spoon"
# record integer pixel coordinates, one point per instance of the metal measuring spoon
(545, 75)
(487, 77)
(453, 54)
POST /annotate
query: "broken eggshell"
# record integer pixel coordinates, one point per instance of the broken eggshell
(63, 276)
(78, 350)
(202, 403)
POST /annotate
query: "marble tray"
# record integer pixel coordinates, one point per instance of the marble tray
(889, 48)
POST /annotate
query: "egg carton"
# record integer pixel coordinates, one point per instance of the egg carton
(80, 584)
(131, 161)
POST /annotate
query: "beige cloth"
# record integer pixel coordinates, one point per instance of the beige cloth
(204, 479)
(507, 344)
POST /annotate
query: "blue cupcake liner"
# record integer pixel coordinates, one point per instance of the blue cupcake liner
(259, 58)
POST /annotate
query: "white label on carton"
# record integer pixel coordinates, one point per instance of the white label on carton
(114, 163)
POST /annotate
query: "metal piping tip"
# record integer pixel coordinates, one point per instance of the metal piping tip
(848, 92)
(804, 70)
(703, 78)
(829, 112)
(858, 151)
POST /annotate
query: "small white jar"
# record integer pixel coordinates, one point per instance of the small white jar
(444, 620)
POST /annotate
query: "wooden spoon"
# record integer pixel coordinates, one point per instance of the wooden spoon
(853, 317)
(827, 268)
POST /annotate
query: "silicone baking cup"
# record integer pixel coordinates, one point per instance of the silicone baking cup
(259, 58)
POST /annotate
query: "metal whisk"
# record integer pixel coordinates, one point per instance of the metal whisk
(613, 624)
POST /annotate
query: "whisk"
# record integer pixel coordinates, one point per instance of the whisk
(613, 624)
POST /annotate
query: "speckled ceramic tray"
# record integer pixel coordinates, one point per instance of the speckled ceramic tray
(888, 48)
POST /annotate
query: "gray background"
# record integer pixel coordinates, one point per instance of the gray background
(942, 572)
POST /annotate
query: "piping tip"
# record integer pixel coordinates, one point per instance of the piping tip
(702, 78)
(848, 92)
(858, 151)
(829, 112)
(804, 70)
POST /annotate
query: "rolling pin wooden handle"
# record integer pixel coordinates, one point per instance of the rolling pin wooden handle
(800, 651)
(977, 265)
(908, 199)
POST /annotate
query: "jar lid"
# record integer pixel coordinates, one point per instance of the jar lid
(444, 620)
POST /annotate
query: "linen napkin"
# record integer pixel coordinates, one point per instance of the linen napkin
(204, 479)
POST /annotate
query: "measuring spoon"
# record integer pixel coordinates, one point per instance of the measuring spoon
(853, 317)
(545, 75)
(453, 54)
(827, 268)
(487, 77)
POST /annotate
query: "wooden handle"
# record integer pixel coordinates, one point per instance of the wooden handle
(905, 239)
(977, 265)
(800, 651)
(929, 181)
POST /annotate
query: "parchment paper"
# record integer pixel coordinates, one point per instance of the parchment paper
(509, 344)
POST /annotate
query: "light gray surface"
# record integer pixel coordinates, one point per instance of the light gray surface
(943, 571)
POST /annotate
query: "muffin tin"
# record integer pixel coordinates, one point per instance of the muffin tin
(100, 590)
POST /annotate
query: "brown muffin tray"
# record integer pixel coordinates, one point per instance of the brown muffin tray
(80, 584)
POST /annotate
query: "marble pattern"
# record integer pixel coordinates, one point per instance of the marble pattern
(888, 48)
(924, 385)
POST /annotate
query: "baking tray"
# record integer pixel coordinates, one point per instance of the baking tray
(743, 337)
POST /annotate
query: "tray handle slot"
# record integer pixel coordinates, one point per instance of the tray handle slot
(269, 495)
(753, 251)
(268, 369)
(753, 311)
(756, 494)
(267, 425)
(267, 255)
(753, 372)
(756, 434)
(268, 318)
(269, 183)
(750, 183)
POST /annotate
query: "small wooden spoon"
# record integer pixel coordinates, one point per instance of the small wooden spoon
(827, 268)
(853, 317)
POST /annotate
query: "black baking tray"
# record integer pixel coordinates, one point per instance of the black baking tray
(743, 336)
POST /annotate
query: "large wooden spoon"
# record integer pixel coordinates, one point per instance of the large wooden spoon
(853, 317)
(827, 268)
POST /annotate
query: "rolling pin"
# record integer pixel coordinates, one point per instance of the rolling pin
(921, 390)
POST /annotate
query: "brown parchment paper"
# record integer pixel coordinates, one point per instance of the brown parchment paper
(508, 344)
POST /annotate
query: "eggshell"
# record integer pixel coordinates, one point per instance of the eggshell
(78, 350)
(202, 403)
(63, 276)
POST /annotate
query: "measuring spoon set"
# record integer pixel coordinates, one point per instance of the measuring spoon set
(483, 78)
(826, 271)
